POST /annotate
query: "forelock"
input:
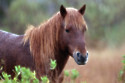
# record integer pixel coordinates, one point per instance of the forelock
(74, 18)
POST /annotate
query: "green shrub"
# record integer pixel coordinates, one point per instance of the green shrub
(122, 71)
(27, 76)
(45, 79)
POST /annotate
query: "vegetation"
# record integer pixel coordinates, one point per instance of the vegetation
(27, 76)
(122, 72)
(53, 64)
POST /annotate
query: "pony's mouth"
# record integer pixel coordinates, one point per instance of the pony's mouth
(80, 59)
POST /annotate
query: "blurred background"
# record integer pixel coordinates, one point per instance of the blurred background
(105, 37)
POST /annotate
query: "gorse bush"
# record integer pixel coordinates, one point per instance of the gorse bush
(71, 76)
(27, 76)
(74, 74)
(122, 71)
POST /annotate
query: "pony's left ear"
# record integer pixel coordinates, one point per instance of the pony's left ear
(63, 11)
(82, 9)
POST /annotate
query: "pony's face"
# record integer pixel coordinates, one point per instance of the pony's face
(73, 39)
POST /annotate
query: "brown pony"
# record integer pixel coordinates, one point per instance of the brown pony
(58, 38)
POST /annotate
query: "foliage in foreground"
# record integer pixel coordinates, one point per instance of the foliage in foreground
(122, 72)
(27, 76)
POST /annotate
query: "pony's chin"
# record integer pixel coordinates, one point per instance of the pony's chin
(80, 62)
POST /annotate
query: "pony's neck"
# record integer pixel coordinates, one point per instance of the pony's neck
(62, 59)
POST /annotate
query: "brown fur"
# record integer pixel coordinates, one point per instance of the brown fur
(45, 42)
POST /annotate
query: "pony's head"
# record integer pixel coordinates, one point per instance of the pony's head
(72, 39)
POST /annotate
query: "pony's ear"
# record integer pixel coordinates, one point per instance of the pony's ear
(82, 9)
(63, 11)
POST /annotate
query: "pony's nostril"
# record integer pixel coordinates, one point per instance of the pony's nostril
(77, 54)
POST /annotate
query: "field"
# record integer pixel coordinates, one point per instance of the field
(103, 66)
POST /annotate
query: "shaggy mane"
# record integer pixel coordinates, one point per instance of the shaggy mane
(43, 42)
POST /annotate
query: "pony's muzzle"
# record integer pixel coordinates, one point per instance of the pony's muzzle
(80, 59)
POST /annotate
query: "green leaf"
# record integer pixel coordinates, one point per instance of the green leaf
(6, 76)
(123, 61)
(66, 73)
(74, 74)
(17, 70)
(121, 73)
(35, 81)
(84, 82)
(123, 56)
(52, 64)
(45, 79)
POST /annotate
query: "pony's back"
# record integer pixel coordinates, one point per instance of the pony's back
(13, 52)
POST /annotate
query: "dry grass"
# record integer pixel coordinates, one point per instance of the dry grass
(103, 66)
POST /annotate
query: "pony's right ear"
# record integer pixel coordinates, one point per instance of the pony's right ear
(82, 9)
(63, 11)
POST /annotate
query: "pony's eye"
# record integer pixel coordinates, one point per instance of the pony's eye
(67, 30)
